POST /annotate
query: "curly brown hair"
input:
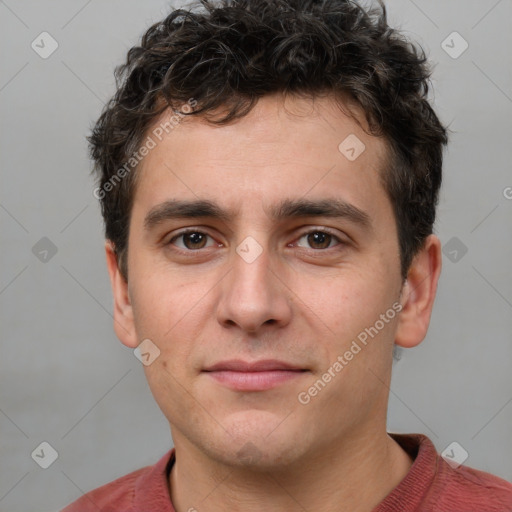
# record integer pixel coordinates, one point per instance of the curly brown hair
(230, 53)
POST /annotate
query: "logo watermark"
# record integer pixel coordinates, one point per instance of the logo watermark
(151, 141)
(304, 397)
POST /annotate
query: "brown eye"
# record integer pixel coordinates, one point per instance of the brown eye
(318, 240)
(192, 240)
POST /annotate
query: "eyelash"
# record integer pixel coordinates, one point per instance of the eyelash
(302, 235)
(186, 232)
(326, 232)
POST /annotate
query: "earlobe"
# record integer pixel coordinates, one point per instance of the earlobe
(418, 294)
(123, 313)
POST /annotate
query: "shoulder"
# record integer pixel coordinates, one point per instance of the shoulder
(120, 493)
(434, 485)
(125, 493)
(469, 490)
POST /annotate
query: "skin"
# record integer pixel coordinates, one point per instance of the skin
(298, 301)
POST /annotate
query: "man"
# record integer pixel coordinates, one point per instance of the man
(269, 172)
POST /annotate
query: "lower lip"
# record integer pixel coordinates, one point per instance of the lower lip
(254, 381)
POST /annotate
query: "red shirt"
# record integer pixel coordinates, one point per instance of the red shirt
(431, 485)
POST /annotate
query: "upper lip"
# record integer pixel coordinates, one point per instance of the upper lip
(237, 365)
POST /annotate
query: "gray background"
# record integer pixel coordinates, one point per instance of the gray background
(65, 378)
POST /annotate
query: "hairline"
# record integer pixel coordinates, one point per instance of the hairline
(385, 163)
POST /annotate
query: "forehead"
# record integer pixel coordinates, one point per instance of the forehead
(285, 147)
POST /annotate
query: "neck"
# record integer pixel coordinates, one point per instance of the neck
(355, 477)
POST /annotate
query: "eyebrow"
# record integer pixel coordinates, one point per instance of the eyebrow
(287, 209)
(180, 209)
(332, 208)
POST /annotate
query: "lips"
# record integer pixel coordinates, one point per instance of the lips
(256, 376)
(237, 365)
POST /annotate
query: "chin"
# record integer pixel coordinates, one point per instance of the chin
(258, 457)
(257, 440)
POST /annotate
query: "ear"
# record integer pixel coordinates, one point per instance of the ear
(418, 294)
(123, 313)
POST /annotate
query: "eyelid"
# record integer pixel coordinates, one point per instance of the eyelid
(325, 230)
(185, 231)
(312, 229)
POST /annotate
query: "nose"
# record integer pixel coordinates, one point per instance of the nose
(253, 297)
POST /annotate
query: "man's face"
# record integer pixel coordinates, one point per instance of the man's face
(274, 280)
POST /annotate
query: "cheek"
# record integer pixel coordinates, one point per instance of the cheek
(346, 319)
(159, 300)
(171, 391)
(343, 302)
(174, 313)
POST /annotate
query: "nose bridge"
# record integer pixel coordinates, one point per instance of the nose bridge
(251, 267)
(252, 295)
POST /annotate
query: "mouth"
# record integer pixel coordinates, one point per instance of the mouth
(257, 376)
